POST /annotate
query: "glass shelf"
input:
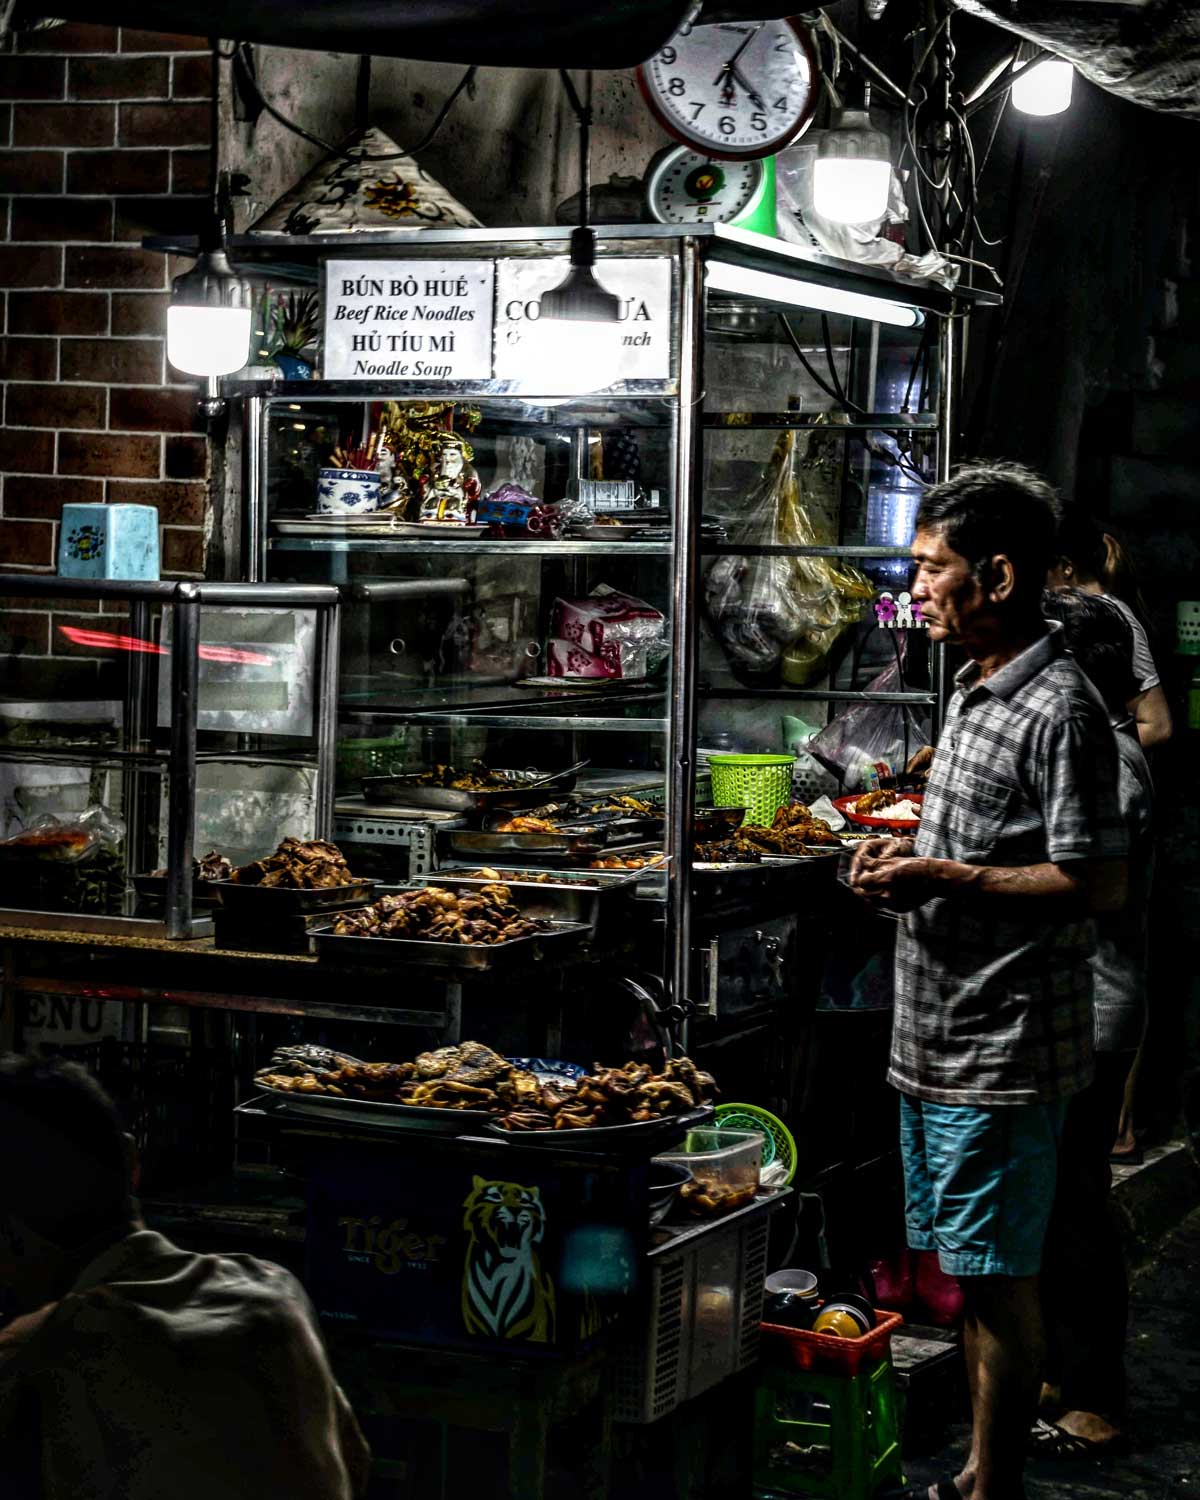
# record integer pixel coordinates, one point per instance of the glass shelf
(481, 546)
(791, 549)
(815, 695)
(821, 421)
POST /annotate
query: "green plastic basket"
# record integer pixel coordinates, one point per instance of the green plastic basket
(761, 784)
(778, 1141)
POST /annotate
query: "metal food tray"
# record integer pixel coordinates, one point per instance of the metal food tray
(474, 957)
(611, 828)
(642, 1137)
(275, 901)
(401, 1117)
(153, 888)
(412, 791)
(565, 901)
(575, 880)
(530, 846)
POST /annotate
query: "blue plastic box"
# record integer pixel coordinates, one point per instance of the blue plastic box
(108, 541)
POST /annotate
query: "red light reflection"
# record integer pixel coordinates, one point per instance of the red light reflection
(105, 640)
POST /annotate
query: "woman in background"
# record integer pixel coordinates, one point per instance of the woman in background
(1091, 560)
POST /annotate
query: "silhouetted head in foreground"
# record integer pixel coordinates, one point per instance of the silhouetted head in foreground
(65, 1165)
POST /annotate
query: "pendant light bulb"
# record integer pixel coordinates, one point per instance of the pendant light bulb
(577, 347)
(208, 321)
(852, 175)
(1042, 88)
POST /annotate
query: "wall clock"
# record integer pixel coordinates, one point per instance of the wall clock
(736, 90)
(688, 187)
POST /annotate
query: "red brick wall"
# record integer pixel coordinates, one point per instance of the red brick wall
(105, 135)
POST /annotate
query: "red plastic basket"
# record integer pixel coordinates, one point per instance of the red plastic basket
(816, 1351)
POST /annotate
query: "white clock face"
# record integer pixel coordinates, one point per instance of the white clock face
(688, 187)
(736, 90)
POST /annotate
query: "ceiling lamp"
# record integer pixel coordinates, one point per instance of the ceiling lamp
(208, 321)
(576, 343)
(1042, 87)
(852, 175)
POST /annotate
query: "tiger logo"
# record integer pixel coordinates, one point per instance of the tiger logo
(505, 1293)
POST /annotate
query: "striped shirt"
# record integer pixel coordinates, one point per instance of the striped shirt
(994, 998)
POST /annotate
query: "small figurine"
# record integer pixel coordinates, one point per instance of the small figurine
(450, 492)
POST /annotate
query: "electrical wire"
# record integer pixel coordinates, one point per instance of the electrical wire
(812, 373)
(245, 57)
(827, 340)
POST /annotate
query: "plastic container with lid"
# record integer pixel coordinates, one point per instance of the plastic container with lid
(724, 1165)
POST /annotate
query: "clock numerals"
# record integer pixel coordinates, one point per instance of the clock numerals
(739, 91)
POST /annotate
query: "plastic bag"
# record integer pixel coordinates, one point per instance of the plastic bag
(51, 840)
(781, 615)
(869, 734)
(876, 244)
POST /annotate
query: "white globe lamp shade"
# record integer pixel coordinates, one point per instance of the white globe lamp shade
(574, 344)
(208, 321)
(208, 341)
(570, 357)
(852, 175)
(851, 192)
(1043, 88)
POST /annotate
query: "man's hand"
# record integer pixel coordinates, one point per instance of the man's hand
(886, 873)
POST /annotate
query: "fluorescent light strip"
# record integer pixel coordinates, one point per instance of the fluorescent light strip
(766, 285)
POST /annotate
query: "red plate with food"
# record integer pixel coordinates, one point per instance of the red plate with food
(890, 812)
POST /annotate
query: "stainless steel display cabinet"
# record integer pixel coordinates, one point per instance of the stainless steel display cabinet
(142, 723)
(765, 356)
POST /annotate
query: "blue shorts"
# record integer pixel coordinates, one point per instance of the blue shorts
(979, 1183)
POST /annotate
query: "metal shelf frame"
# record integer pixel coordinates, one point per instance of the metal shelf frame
(179, 761)
(795, 272)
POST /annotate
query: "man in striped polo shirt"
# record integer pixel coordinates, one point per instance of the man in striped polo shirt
(1021, 843)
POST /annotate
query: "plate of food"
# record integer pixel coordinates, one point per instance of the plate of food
(449, 1090)
(889, 812)
(631, 1108)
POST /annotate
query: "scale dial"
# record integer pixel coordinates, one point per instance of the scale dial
(735, 90)
(686, 187)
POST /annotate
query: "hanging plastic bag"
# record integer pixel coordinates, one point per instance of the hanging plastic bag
(870, 734)
(776, 615)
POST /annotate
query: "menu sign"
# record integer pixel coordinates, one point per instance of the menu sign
(642, 286)
(408, 319)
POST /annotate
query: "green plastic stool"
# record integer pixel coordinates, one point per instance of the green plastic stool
(825, 1434)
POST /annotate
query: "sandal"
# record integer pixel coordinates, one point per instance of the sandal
(1048, 1440)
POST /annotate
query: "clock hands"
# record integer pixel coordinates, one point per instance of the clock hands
(730, 72)
(755, 98)
(733, 61)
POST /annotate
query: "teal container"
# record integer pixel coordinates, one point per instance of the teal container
(108, 541)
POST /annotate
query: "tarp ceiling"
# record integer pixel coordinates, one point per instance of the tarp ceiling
(1147, 52)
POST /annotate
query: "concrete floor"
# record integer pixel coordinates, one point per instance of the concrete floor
(1164, 1380)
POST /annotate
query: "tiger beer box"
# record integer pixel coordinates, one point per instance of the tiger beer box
(472, 1244)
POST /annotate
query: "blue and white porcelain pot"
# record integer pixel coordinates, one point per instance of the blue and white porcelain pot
(343, 490)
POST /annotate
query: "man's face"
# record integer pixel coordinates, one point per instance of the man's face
(950, 595)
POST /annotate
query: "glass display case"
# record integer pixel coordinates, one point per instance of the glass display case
(143, 724)
(672, 564)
